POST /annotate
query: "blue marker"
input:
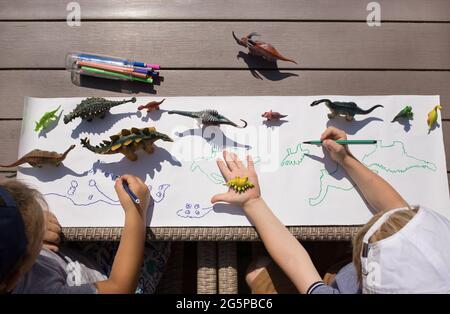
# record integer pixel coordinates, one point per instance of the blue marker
(132, 195)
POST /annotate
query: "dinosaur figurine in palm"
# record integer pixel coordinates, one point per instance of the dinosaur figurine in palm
(151, 106)
(48, 118)
(239, 184)
(260, 48)
(127, 142)
(346, 109)
(208, 117)
(94, 107)
(38, 158)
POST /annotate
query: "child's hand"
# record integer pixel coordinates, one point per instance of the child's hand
(231, 168)
(139, 188)
(52, 232)
(337, 151)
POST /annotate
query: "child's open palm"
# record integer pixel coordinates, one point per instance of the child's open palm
(233, 167)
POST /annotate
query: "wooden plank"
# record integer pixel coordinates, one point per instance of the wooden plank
(398, 10)
(10, 134)
(15, 85)
(334, 45)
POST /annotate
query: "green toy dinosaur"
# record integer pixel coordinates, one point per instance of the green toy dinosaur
(48, 118)
(405, 113)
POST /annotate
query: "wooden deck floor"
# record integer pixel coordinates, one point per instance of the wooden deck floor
(337, 52)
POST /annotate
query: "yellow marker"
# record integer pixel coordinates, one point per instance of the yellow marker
(432, 116)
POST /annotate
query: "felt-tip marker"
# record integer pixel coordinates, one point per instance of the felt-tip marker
(344, 142)
(130, 193)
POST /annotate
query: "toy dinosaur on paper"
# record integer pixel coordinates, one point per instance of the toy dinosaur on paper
(345, 109)
(240, 184)
(260, 48)
(38, 158)
(94, 107)
(432, 116)
(270, 115)
(127, 142)
(208, 117)
(47, 118)
(151, 106)
(405, 113)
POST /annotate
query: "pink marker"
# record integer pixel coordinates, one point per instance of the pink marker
(154, 66)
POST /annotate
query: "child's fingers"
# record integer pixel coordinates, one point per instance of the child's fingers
(237, 161)
(250, 163)
(224, 197)
(229, 160)
(333, 133)
(226, 173)
(332, 146)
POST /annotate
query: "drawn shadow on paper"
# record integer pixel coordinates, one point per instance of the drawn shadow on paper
(263, 69)
(194, 210)
(332, 177)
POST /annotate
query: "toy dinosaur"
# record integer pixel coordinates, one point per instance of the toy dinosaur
(94, 107)
(127, 142)
(240, 184)
(45, 121)
(151, 106)
(38, 158)
(208, 117)
(346, 109)
(405, 113)
(270, 115)
(432, 116)
(260, 48)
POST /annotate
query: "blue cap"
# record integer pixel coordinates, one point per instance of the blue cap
(13, 240)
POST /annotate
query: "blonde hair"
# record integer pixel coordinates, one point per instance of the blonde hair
(31, 204)
(394, 223)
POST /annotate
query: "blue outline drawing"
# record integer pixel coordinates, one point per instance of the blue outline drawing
(193, 210)
(158, 196)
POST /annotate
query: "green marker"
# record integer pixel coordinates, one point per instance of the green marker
(117, 75)
(345, 142)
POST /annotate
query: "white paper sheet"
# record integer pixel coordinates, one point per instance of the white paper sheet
(301, 185)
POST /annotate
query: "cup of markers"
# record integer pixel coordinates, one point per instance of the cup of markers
(111, 67)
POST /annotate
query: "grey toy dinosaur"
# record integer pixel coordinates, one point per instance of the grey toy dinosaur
(94, 107)
(345, 109)
(208, 117)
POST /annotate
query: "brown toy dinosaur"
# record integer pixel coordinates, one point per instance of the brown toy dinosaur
(38, 158)
(272, 115)
(151, 106)
(260, 48)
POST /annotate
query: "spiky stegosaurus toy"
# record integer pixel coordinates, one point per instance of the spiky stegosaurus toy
(94, 107)
(127, 142)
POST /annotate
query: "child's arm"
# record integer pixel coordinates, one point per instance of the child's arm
(285, 250)
(378, 193)
(129, 257)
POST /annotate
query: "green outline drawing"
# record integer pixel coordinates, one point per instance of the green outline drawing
(314, 201)
(298, 149)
